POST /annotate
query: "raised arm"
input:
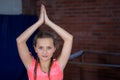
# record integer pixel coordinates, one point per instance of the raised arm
(22, 39)
(68, 40)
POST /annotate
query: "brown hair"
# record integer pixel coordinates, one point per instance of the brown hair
(55, 42)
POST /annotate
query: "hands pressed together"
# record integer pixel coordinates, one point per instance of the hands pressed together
(43, 18)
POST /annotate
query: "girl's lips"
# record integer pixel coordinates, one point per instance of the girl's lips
(45, 56)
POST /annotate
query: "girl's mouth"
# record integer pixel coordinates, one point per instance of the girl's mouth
(45, 56)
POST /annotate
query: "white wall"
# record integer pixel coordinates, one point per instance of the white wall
(11, 7)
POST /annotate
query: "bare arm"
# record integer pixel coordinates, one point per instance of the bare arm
(22, 39)
(68, 40)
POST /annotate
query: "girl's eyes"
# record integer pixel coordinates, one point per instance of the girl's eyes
(40, 47)
(47, 47)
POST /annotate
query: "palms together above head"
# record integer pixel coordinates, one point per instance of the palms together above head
(47, 20)
(43, 17)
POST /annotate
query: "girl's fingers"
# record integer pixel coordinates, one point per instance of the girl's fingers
(41, 14)
(44, 9)
(41, 9)
(45, 15)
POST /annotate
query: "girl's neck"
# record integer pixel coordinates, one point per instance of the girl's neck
(45, 65)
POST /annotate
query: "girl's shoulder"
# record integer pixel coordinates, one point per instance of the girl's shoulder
(55, 64)
(32, 64)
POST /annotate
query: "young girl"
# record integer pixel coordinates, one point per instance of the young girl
(44, 68)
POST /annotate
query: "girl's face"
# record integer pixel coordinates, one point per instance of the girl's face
(45, 48)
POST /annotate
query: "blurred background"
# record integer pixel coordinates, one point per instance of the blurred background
(95, 25)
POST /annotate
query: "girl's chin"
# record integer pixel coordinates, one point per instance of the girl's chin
(45, 58)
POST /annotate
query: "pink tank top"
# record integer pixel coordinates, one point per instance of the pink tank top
(55, 72)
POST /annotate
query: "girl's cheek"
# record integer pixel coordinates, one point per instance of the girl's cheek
(39, 51)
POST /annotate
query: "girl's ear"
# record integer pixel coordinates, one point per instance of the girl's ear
(55, 49)
(35, 49)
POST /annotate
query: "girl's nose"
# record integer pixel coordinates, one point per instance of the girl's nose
(45, 51)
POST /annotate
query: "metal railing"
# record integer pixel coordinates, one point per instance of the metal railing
(87, 64)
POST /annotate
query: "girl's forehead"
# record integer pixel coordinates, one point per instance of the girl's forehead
(45, 41)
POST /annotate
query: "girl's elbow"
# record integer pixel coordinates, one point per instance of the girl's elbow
(71, 37)
(18, 40)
